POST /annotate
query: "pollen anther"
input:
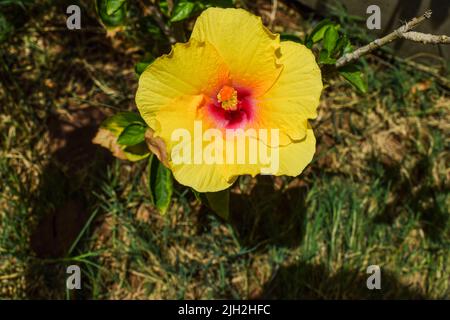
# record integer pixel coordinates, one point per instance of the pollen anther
(227, 96)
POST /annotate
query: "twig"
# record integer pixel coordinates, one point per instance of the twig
(273, 13)
(352, 56)
(426, 38)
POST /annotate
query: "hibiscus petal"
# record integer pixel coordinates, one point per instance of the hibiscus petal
(291, 159)
(203, 178)
(248, 48)
(189, 69)
(295, 95)
(297, 155)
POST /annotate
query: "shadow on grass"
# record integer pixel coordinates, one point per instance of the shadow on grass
(62, 205)
(268, 215)
(415, 194)
(307, 281)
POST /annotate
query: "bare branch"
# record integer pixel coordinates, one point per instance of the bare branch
(426, 38)
(396, 34)
(273, 13)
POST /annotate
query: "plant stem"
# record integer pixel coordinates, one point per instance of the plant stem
(396, 34)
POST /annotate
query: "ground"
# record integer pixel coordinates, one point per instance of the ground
(376, 193)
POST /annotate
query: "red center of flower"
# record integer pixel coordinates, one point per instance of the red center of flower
(232, 107)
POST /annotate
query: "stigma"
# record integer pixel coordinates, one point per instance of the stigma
(227, 97)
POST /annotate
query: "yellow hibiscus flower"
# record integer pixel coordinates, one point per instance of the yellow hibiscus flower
(233, 75)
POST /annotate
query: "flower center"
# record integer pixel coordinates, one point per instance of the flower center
(232, 108)
(227, 97)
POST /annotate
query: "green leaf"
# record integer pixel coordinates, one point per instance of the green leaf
(113, 5)
(132, 135)
(115, 127)
(185, 9)
(219, 202)
(137, 152)
(182, 10)
(142, 65)
(290, 37)
(110, 20)
(330, 39)
(341, 46)
(353, 75)
(118, 122)
(348, 48)
(319, 30)
(324, 57)
(161, 184)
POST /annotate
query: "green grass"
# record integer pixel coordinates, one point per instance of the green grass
(376, 192)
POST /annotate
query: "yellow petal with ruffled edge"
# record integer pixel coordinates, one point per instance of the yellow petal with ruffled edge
(292, 159)
(203, 178)
(212, 176)
(180, 116)
(248, 48)
(296, 156)
(191, 68)
(295, 96)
